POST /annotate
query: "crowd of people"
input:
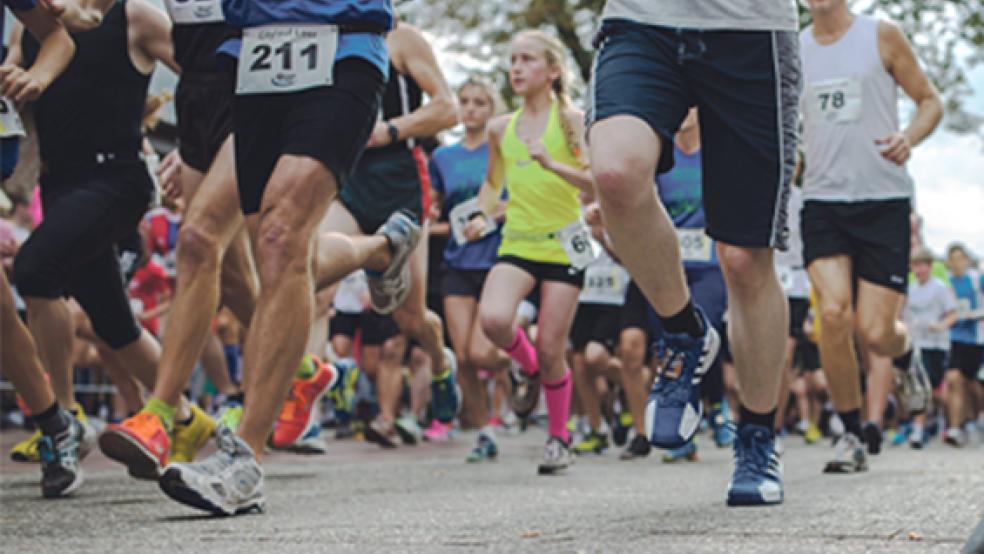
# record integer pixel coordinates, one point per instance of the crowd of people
(675, 257)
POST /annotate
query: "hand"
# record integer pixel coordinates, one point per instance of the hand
(380, 135)
(936, 327)
(592, 214)
(897, 148)
(434, 213)
(54, 7)
(19, 85)
(169, 175)
(474, 228)
(539, 153)
(8, 248)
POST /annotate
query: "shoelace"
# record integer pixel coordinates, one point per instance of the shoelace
(751, 456)
(676, 391)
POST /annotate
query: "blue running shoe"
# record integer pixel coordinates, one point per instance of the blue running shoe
(758, 472)
(444, 391)
(686, 452)
(902, 433)
(674, 410)
(723, 427)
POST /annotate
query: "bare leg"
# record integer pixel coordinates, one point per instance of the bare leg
(831, 279)
(19, 357)
(880, 382)
(635, 375)
(52, 327)
(459, 315)
(214, 362)
(389, 379)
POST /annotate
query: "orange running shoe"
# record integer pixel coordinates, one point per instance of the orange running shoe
(300, 410)
(140, 443)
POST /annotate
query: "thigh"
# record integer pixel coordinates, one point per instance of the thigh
(881, 232)
(747, 86)
(214, 209)
(98, 287)
(877, 306)
(935, 362)
(506, 286)
(832, 280)
(459, 318)
(967, 358)
(822, 234)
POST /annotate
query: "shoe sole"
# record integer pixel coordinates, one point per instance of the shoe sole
(74, 486)
(551, 470)
(752, 501)
(20, 458)
(844, 467)
(382, 440)
(140, 463)
(175, 488)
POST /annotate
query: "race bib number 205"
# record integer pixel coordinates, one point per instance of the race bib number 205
(286, 58)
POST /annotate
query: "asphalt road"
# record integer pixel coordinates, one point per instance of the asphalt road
(426, 499)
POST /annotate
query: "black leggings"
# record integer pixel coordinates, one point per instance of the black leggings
(73, 252)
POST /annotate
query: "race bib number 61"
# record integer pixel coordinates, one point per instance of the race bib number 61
(286, 58)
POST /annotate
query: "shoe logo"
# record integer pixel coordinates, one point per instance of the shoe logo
(898, 280)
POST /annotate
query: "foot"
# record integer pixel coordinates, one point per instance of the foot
(190, 437)
(872, 437)
(902, 433)
(26, 451)
(382, 433)
(229, 482)
(230, 414)
(408, 429)
(556, 457)
(849, 456)
(300, 411)
(812, 434)
(141, 443)
(485, 450)
(389, 289)
(525, 391)
(917, 438)
(638, 448)
(954, 437)
(594, 443)
(623, 424)
(914, 387)
(438, 432)
(686, 452)
(757, 479)
(444, 392)
(722, 426)
(674, 409)
(59, 456)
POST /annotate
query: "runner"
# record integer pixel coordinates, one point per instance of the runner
(299, 129)
(966, 344)
(855, 219)
(536, 154)
(457, 172)
(738, 64)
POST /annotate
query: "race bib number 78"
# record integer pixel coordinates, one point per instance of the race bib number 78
(835, 100)
(286, 58)
(10, 122)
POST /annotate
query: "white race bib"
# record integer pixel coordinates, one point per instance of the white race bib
(459, 218)
(286, 58)
(10, 122)
(695, 246)
(835, 100)
(580, 248)
(605, 283)
(190, 12)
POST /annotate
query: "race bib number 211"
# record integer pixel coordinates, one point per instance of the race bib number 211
(286, 58)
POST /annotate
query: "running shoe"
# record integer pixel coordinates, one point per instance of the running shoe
(444, 391)
(674, 409)
(954, 436)
(594, 442)
(721, 425)
(686, 452)
(849, 455)
(902, 433)
(556, 457)
(191, 437)
(300, 410)
(389, 289)
(914, 387)
(382, 433)
(812, 434)
(438, 432)
(872, 437)
(230, 415)
(140, 443)
(310, 442)
(638, 448)
(59, 456)
(525, 391)
(757, 479)
(229, 482)
(623, 424)
(408, 429)
(27, 450)
(485, 449)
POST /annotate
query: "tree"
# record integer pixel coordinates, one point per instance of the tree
(948, 36)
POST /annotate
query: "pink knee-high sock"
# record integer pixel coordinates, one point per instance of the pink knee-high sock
(523, 352)
(558, 395)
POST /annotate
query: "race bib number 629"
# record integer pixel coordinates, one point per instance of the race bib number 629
(286, 58)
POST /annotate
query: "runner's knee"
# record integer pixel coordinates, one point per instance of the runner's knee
(197, 247)
(744, 267)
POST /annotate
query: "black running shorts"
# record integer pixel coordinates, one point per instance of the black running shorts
(203, 103)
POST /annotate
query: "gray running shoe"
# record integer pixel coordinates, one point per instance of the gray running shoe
(311, 442)
(914, 388)
(557, 457)
(408, 429)
(382, 433)
(60, 471)
(525, 391)
(229, 482)
(849, 455)
(389, 289)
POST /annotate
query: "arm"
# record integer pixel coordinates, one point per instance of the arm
(489, 196)
(580, 177)
(57, 49)
(437, 227)
(412, 55)
(78, 15)
(949, 318)
(901, 62)
(150, 37)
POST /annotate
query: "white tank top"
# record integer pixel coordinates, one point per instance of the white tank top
(744, 15)
(849, 100)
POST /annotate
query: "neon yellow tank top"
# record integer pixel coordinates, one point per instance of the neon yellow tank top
(540, 202)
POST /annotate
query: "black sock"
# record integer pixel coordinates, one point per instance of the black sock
(52, 421)
(852, 422)
(685, 321)
(903, 361)
(238, 397)
(767, 420)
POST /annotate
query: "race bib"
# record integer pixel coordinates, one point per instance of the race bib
(605, 283)
(459, 218)
(190, 12)
(580, 248)
(835, 100)
(286, 58)
(785, 275)
(695, 246)
(10, 122)
(136, 306)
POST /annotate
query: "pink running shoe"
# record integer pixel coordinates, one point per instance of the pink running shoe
(438, 432)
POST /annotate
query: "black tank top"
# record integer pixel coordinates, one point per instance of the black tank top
(97, 104)
(402, 96)
(195, 45)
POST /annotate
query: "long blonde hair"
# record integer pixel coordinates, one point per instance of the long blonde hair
(488, 89)
(554, 52)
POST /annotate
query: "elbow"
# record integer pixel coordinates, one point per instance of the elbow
(448, 110)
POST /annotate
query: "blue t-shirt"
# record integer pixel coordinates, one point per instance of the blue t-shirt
(368, 46)
(969, 290)
(680, 192)
(457, 173)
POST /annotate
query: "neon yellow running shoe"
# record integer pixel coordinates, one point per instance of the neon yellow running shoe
(26, 451)
(191, 437)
